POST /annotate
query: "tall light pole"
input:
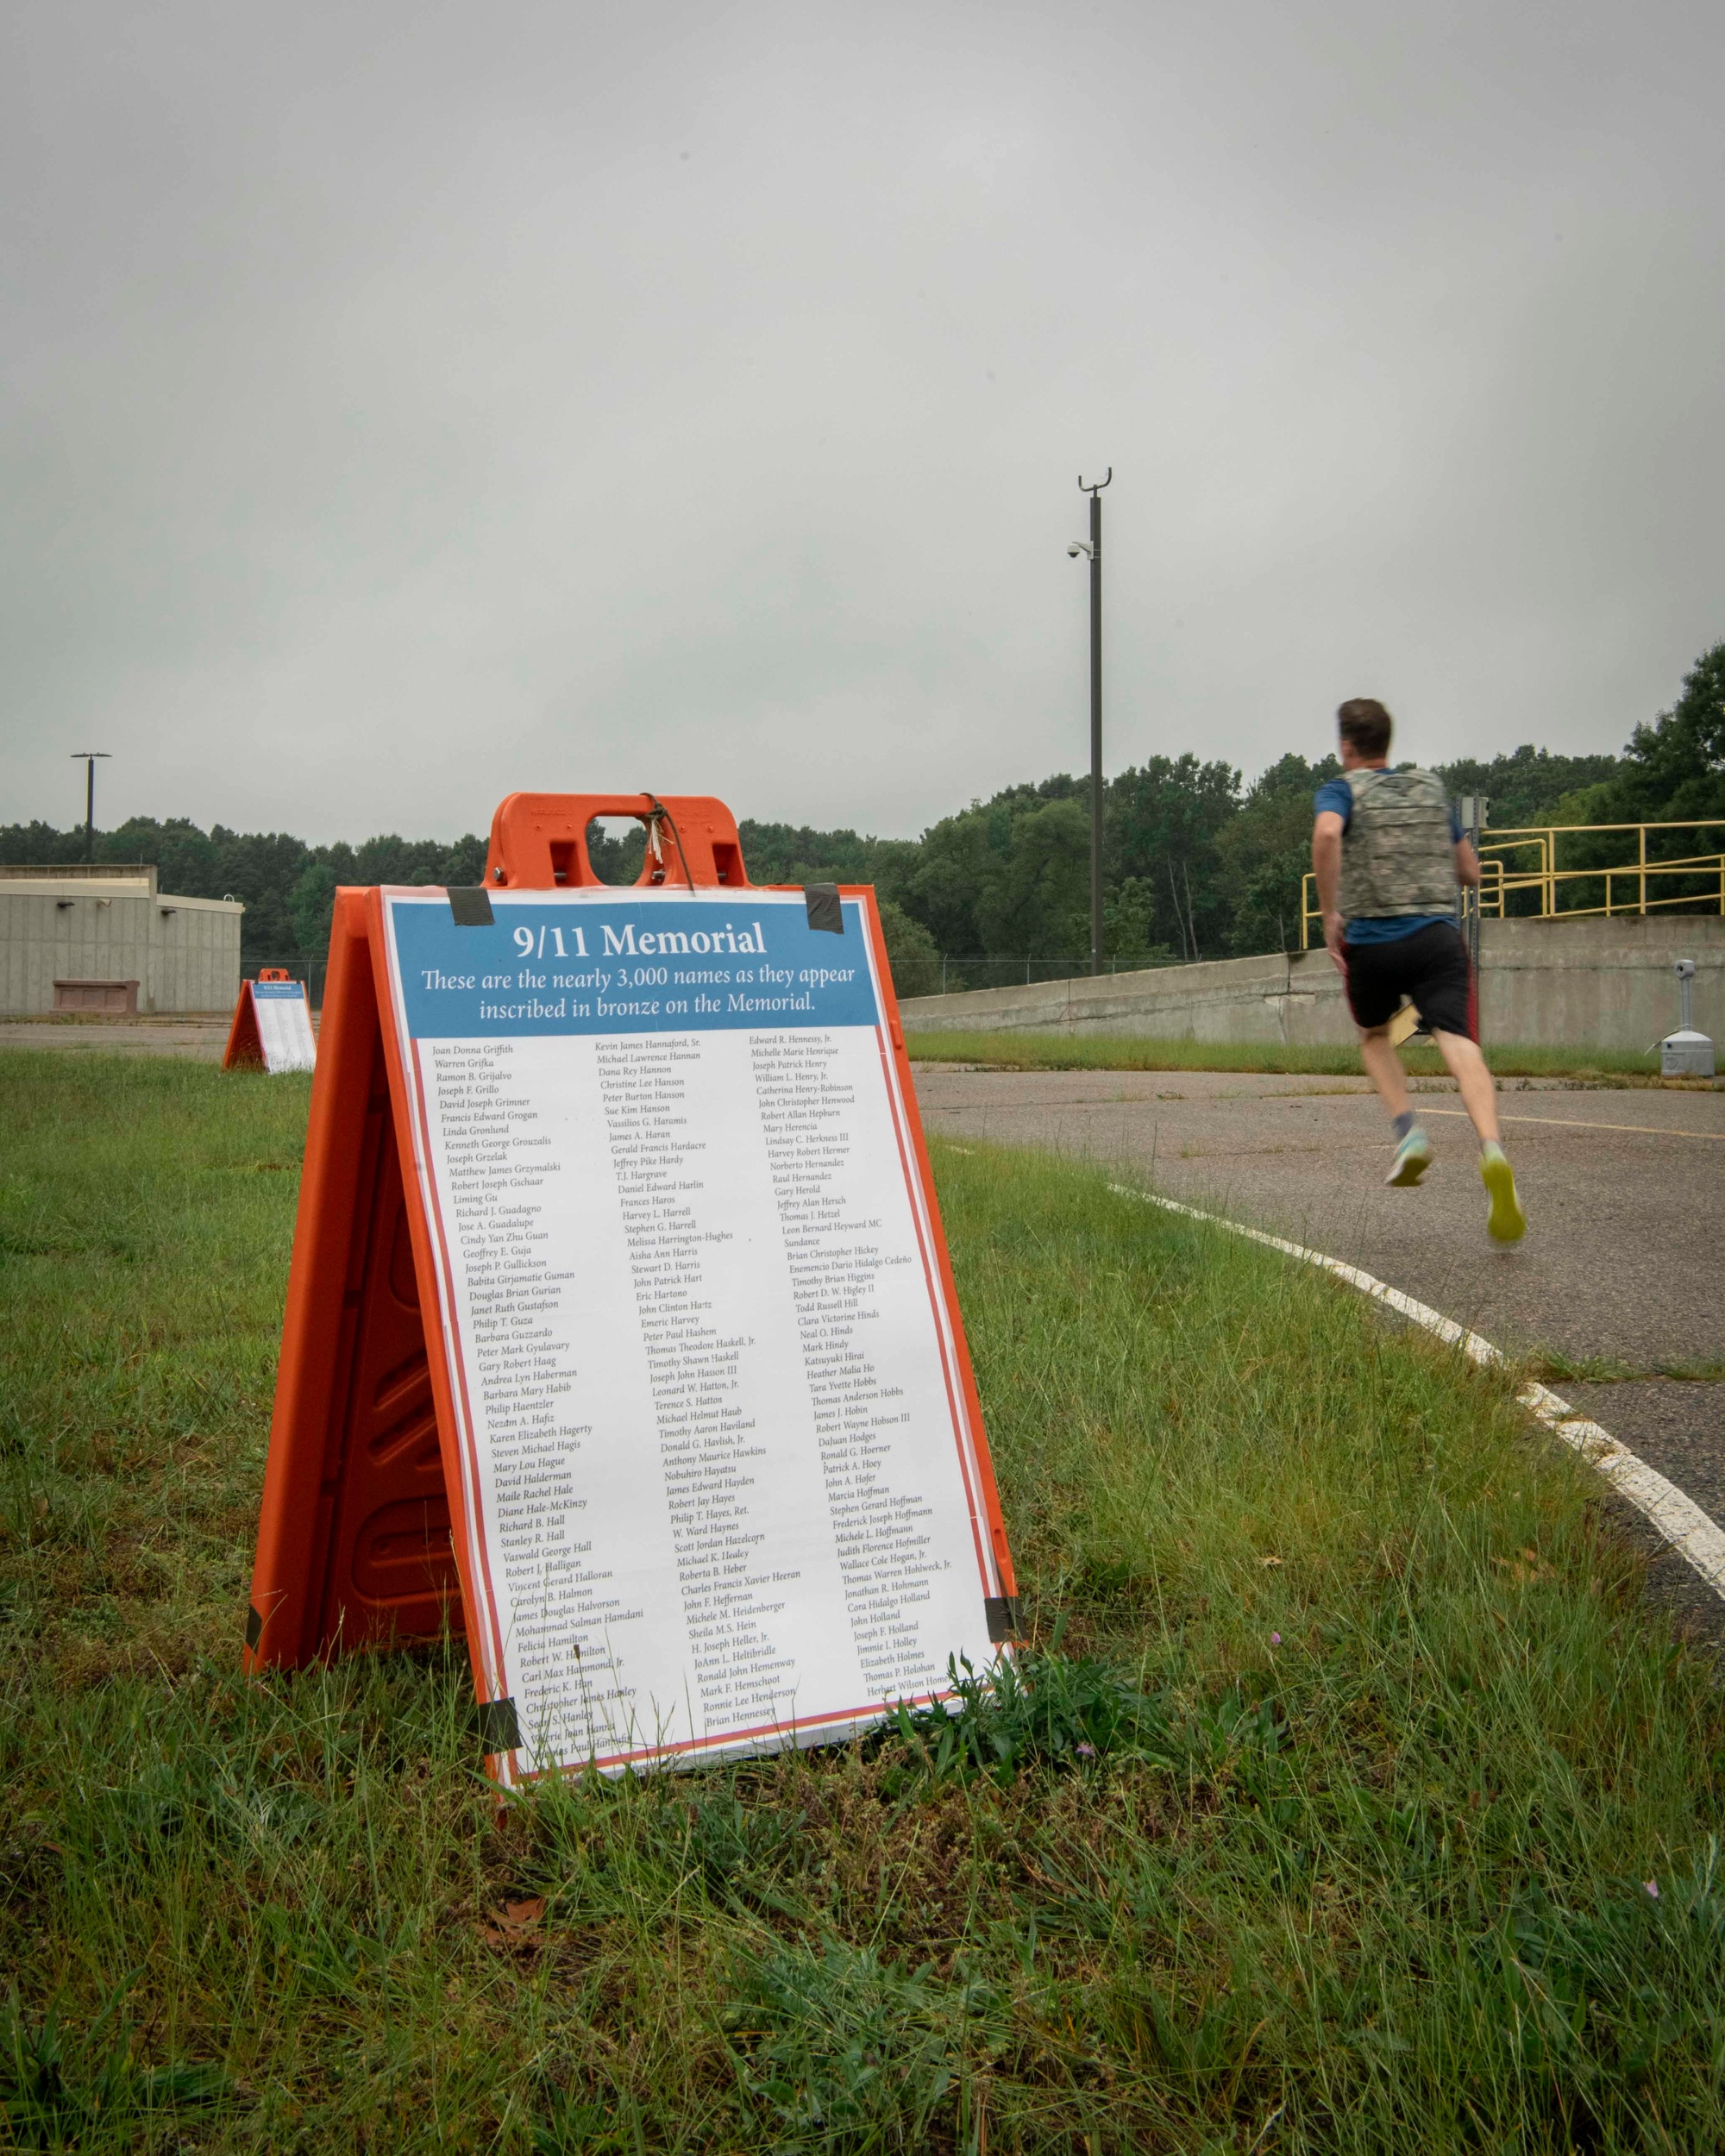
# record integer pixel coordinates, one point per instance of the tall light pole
(1094, 489)
(91, 757)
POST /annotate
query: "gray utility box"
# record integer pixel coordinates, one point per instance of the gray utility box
(1685, 1054)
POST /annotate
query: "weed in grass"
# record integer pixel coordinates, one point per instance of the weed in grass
(1032, 1709)
(1358, 1863)
(1550, 1366)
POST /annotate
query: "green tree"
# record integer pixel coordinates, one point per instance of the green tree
(1263, 852)
(1162, 822)
(1526, 787)
(1033, 896)
(998, 879)
(311, 907)
(390, 859)
(788, 852)
(615, 858)
(186, 859)
(261, 867)
(1129, 925)
(940, 890)
(910, 952)
(1675, 768)
(1673, 771)
(39, 844)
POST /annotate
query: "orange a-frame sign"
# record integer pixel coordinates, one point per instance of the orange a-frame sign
(621, 1333)
(272, 1025)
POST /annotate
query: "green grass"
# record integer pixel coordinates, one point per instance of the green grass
(1551, 1367)
(1050, 1051)
(1319, 1821)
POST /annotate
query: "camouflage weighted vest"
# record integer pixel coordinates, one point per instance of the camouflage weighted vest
(1397, 852)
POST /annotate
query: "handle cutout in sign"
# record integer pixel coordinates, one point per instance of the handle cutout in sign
(621, 1334)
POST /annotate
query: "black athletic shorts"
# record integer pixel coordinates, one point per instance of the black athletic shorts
(1429, 968)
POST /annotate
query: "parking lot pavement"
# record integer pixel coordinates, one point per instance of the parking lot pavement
(197, 1035)
(1622, 1189)
(1680, 1430)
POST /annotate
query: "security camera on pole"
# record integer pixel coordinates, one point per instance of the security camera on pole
(1094, 551)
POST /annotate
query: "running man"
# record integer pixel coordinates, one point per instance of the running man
(1388, 852)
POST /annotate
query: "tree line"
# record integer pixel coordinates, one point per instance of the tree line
(1196, 864)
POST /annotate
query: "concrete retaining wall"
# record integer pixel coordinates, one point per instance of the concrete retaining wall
(1549, 984)
(58, 924)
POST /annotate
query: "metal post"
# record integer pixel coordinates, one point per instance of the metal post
(1473, 814)
(89, 758)
(1094, 489)
(1095, 732)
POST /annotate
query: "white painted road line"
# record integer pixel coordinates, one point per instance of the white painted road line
(1580, 1123)
(1696, 1538)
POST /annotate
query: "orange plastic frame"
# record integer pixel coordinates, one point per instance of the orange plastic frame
(356, 1547)
(245, 1049)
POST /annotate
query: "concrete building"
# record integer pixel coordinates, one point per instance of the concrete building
(102, 937)
(1577, 984)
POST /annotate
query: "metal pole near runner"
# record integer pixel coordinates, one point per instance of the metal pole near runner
(89, 758)
(1472, 809)
(1094, 550)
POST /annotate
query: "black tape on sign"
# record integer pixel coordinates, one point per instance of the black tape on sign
(254, 1627)
(1003, 1613)
(499, 1729)
(471, 908)
(823, 909)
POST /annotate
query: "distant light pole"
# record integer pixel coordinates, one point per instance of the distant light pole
(1094, 489)
(91, 757)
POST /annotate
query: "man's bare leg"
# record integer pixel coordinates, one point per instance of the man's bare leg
(1465, 1063)
(1506, 1223)
(1384, 1067)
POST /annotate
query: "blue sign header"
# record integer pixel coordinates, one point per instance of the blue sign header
(628, 965)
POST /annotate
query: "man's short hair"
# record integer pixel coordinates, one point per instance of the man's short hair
(1365, 725)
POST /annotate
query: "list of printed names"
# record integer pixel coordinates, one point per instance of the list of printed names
(710, 1405)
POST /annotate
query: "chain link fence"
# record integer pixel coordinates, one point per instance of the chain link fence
(947, 975)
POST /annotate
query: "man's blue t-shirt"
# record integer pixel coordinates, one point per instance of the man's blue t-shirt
(1337, 795)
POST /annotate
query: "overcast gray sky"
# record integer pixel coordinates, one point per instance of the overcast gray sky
(403, 405)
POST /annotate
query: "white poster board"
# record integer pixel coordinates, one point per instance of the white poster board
(284, 1020)
(720, 1481)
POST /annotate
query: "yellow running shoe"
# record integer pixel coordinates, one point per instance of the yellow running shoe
(1506, 1222)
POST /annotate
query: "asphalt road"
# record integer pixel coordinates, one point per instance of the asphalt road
(1623, 1188)
(197, 1035)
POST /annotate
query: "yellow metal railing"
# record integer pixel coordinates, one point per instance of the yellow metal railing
(1505, 870)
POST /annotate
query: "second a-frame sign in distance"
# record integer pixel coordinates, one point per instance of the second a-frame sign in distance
(620, 1329)
(272, 1026)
